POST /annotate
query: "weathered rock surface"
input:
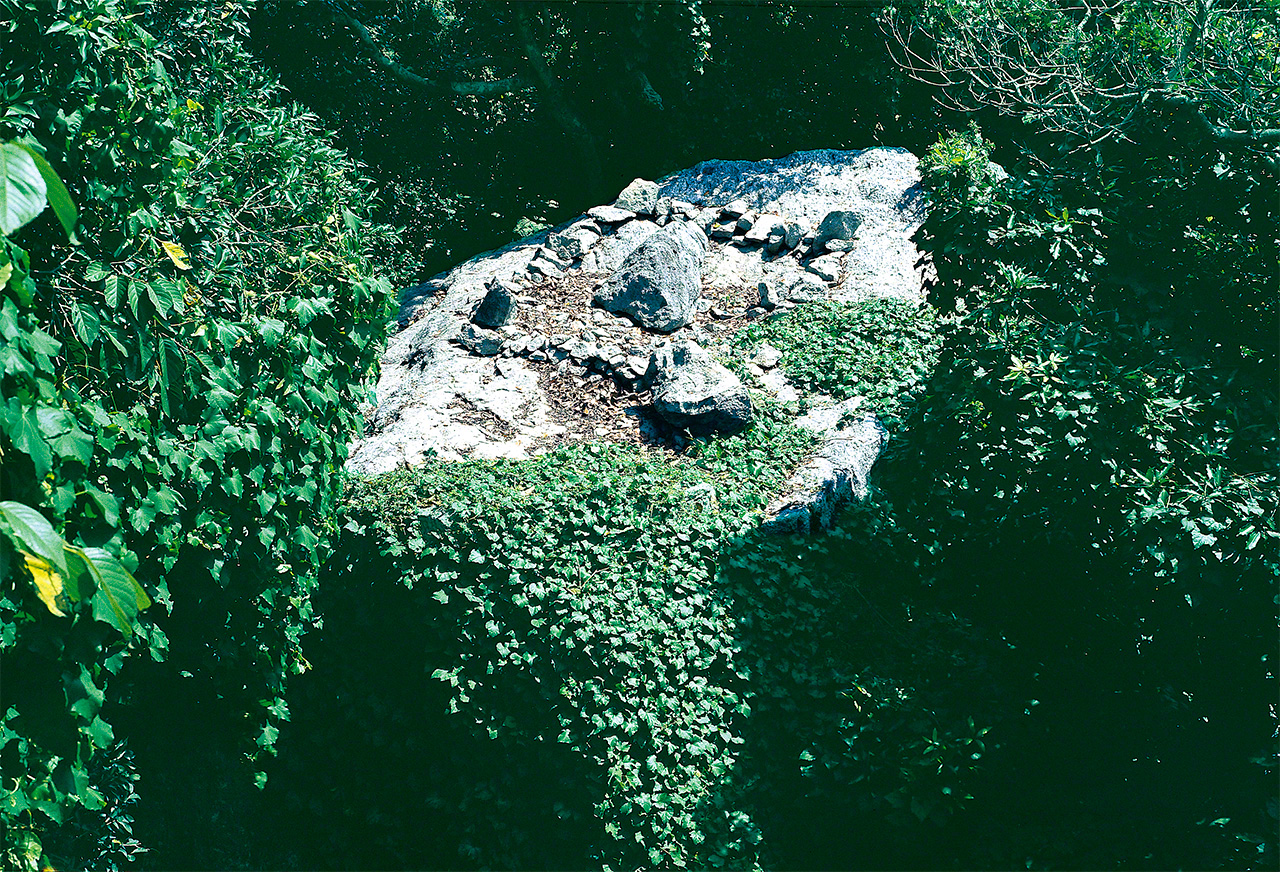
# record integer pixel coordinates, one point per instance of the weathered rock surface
(658, 284)
(438, 396)
(641, 197)
(833, 477)
(692, 392)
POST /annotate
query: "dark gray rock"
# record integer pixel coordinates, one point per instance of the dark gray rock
(658, 284)
(478, 340)
(641, 197)
(693, 392)
(838, 226)
(495, 309)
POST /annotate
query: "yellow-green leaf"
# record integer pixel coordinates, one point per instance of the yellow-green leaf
(176, 254)
(48, 582)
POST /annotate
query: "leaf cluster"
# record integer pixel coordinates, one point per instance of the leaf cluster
(180, 387)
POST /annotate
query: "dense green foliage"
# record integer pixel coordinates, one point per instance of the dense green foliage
(878, 349)
(212, 329)
(1092, 466)
(592, 659)
(1046, 640)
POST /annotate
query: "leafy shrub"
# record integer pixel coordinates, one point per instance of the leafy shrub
(1086, 468)
(958, 166)
(212, 333)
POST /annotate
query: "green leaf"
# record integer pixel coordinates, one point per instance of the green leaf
(26, 437)
(119, 597)
(166, 296)
(58, 195)
(22, 188)
(34, 533)
(114, 290)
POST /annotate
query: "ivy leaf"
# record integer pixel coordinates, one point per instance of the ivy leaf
(119, 597)
(34, 533)
(26, 437)
(22, 188)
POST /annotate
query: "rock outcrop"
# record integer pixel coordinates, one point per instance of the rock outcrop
(719, 244)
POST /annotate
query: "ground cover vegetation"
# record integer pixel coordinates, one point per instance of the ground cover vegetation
(1046, 640)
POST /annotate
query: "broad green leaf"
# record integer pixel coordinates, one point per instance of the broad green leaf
(34, 533)
(119, 597)
(22, 188)
(166, 296)
(47, 580)
(114, 290)
(58, 195)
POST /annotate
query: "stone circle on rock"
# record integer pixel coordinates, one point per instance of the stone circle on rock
(558, 370)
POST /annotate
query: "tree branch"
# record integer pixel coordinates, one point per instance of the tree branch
(402, 73)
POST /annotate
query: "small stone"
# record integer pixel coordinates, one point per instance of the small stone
(840, 224)
(721, 230)
(545, 268)
(686, 210)
(755, 370)
(766, 356)
(826, 267)
(610, 214)
(765, 227)
(794, 233)
(735, 209)
(478, 340)
(539, 356)
(745, 223)
(641, 197)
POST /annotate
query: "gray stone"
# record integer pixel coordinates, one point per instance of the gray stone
(692, 392)
(485, 343)
(766, 356)
(610, 214)
(721, 230)
(807, 288)
(764, 227)
(545, 268)
(684, 209)
(794, 233)
(573, 242)
(659, 283)
(826, 267)
(735, 209)
(495, 309)
(838, 226)
(836, 475)
(611, 251)
(641, 197)
(745, 223)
